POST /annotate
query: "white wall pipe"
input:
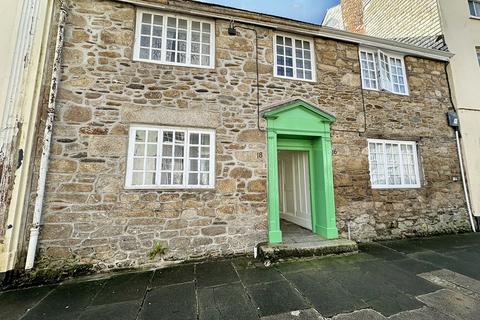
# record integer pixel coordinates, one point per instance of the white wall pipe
(467, 198)
(47, 136)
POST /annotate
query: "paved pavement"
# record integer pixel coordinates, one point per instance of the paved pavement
(436, 278)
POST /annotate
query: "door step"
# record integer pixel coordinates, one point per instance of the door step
(280, 251)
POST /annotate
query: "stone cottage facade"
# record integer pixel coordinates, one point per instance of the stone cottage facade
(157, 136)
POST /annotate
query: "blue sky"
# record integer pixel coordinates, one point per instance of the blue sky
(304, 10)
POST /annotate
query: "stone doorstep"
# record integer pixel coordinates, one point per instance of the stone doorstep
(275, 252)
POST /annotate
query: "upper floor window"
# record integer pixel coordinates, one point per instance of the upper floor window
(474, 6)
(393, 164)
(294, 58)
(170, 158)
(382, 71)
(175, 40)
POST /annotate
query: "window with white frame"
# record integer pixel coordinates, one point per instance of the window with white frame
(474, 6)
(176, 40)
(294, 58)
(393, 164)
(170, 158)
(383, 71)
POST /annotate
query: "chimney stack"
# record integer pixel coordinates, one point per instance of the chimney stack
(352, 12)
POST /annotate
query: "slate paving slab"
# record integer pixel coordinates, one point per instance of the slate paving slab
(380, 251)
(229, 302)
(452, 303)
(325, 293)
(424, 313)
(215, 273)
(175, 275)
(118, 311)
(391, 304)
(390, 275)
(13, 304)
(276, 297)
(366, 314)
(175, 302)
(126, 287)
(255, 276)
(66, 301)
(307, 314)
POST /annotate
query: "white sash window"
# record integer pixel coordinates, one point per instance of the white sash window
(170, 158)
(382, 71)
(175, 40)
(393, 164)
(294, 58)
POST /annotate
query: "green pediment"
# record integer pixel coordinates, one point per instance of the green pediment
(298, 115)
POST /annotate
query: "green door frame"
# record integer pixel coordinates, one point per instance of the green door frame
(298, 125)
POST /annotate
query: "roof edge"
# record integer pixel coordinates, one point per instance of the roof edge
(303, 28)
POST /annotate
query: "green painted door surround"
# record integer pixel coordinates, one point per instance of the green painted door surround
(300, 126)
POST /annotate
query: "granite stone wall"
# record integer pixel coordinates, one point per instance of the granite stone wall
(89, 217)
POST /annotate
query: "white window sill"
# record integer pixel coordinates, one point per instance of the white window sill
(398, 94)
(295, 79)
(396, 187)
(169, 188)
(475, 17)
(173, 64)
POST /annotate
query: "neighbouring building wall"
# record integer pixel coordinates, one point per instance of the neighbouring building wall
(462, 35)
(415, 22)
(24, 32)
(90, 218)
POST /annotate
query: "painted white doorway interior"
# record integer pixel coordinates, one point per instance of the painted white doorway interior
(294, 187)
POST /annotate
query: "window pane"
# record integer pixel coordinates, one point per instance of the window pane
(144, 53)
(205, 152)
(205, 139)
(150, 178)
(194, 152)
(138, 164)
(167, 151)
(194, 138)
(193, 179)
(158, 20)
(147, 18)
(152, 150)
(137, 178)
(166, 178)
(204, 165)
(204, 177)
(178, 178)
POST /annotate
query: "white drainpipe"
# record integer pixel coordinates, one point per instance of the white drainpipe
(467, 198)
(47, 136)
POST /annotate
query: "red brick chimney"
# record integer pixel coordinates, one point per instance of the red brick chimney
(352, 12)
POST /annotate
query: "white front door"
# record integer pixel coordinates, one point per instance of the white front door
(294, 187)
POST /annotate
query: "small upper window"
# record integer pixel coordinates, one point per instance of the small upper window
(294, 58)
(170, 158)
(177, 40)
(393, 164)
(383, 71)
(474, 6)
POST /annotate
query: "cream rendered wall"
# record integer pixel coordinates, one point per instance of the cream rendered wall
(462, 34)
(20, 109)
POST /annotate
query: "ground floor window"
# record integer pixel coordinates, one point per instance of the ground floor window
(170, 158)
(393, 164)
